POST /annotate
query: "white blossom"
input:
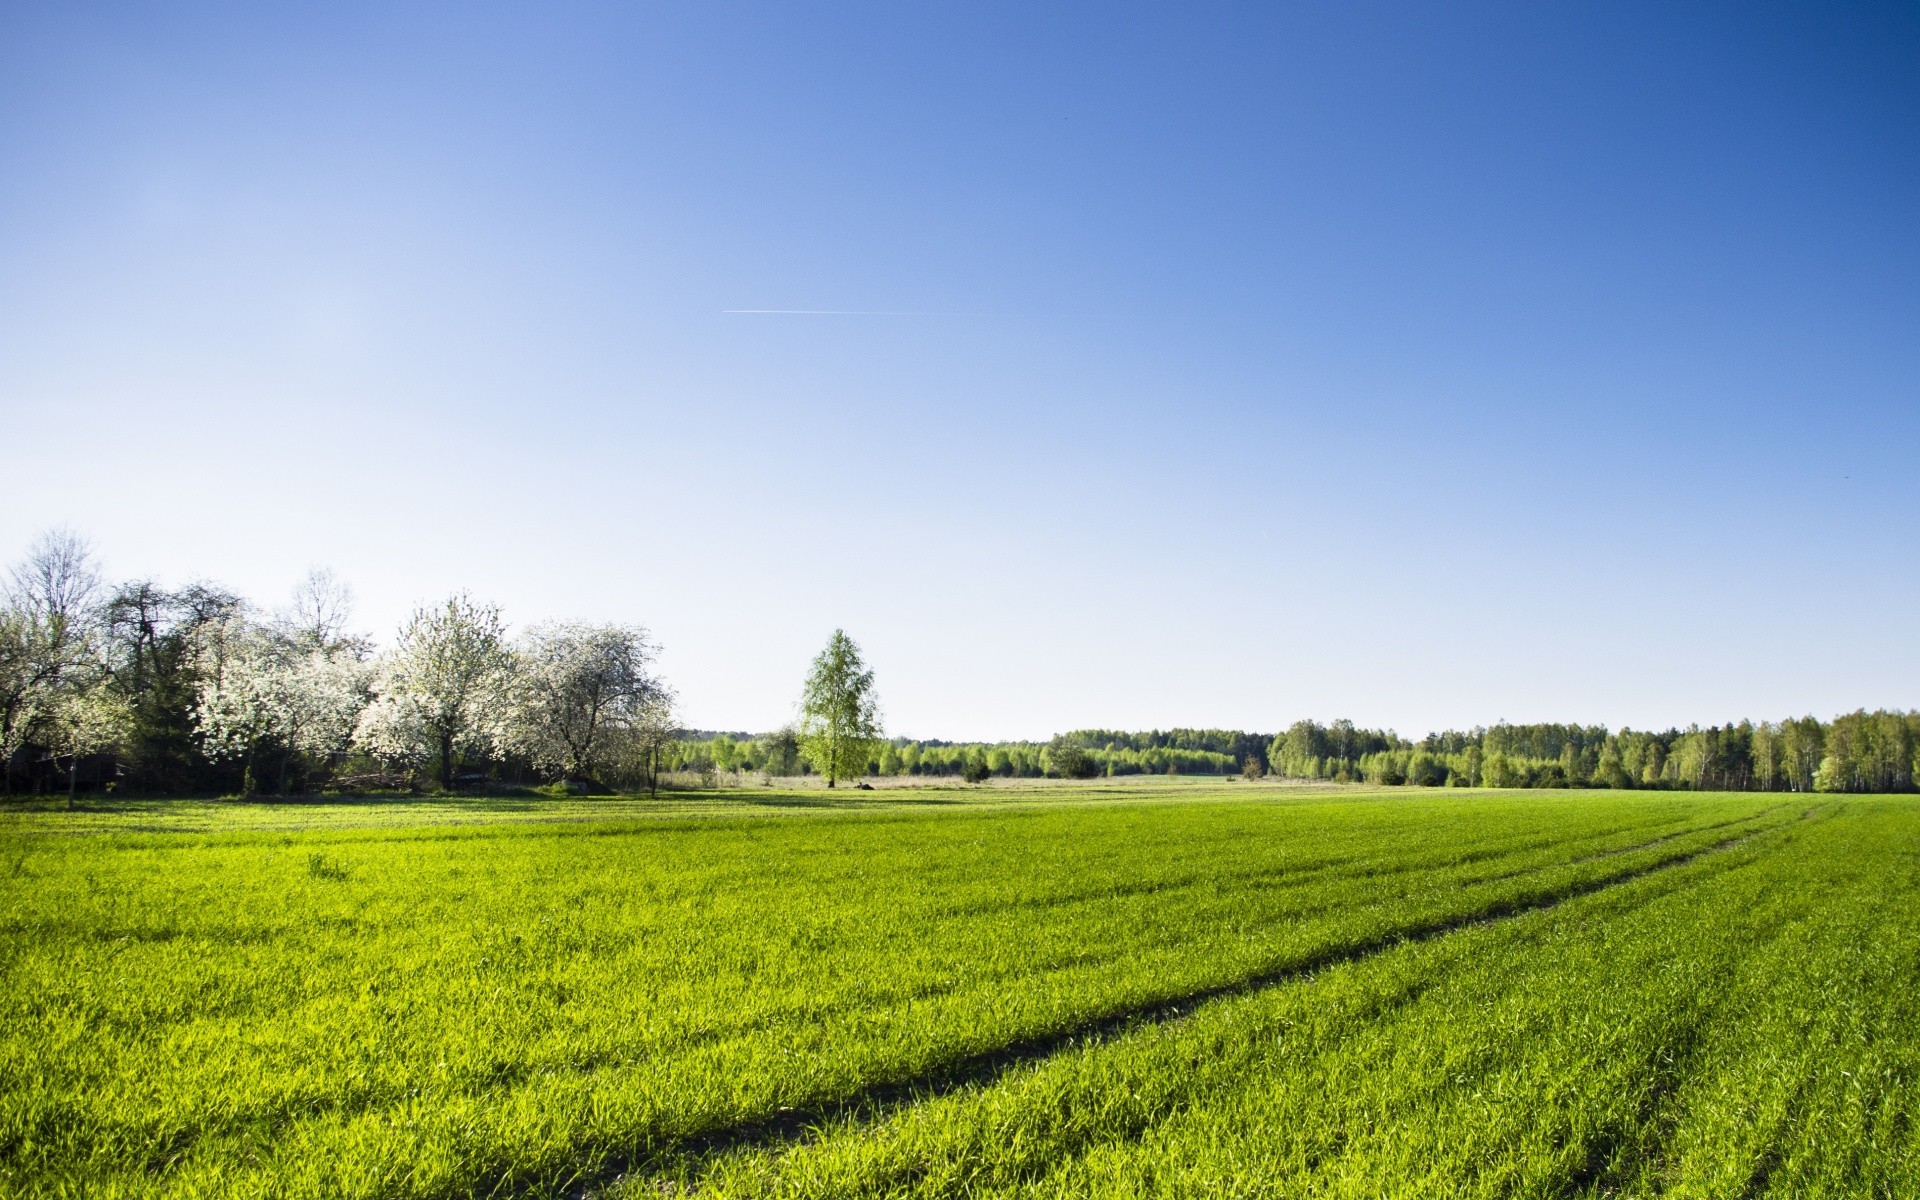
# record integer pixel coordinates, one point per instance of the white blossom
(580, 688)
(257, 685)
(444, 692)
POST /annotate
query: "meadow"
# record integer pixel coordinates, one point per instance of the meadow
(1197, 990)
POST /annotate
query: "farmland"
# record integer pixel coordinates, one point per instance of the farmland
(1222, 989)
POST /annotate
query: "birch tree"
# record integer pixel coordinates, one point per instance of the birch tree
(839, 713)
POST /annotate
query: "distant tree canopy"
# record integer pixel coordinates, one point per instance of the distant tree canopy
(1859, 752)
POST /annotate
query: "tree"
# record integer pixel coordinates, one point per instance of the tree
(154, 641)
(264, 687)
(445, 689)
(85, 719)
(781, 749)
(47, 629)
(1069, 761)
(839, 715)
(57, 578)
(638, 748)
(578, 684)
(30, 667)
(317, 618)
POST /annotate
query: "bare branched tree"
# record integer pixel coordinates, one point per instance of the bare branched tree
(57, 579)
(322, 606)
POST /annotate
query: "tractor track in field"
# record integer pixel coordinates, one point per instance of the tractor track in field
(987, 1066)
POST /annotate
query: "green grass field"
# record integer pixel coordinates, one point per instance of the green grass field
(1114, 991)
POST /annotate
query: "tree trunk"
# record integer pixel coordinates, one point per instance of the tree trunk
(446, 762)
(73, 776)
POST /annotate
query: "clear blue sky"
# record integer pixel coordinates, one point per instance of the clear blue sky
(1427, 365)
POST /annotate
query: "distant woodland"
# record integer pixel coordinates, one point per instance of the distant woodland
(1859, 752)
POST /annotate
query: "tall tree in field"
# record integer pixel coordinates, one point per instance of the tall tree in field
(839, 714)
(445, 689)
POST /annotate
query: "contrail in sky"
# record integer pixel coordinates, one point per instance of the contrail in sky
(837, 312)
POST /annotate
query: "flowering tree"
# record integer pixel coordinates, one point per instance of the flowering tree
(444, 691)
(48, 642)
(29, 676)
(579, 685)
(83, 720)
(259, 687)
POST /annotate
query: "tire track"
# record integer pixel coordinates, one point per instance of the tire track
(988, 1066)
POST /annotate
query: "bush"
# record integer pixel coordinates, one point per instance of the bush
(976, 770)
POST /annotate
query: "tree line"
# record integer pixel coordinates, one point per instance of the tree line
(1861, 751)
(196, 690)
(1858, 752)
(1083, 754)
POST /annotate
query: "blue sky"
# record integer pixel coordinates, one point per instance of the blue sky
(1428, 364)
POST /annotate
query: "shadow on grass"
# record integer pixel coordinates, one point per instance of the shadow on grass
(479, 804)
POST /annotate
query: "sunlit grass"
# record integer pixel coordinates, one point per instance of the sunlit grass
(1101, 990)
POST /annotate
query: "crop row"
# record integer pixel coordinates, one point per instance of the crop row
(433, 1015)
(1743, 1024)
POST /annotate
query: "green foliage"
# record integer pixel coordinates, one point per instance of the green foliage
(150, 637)
(839, 726)
(1508, 994)
(1069, 761)
(1859, 752)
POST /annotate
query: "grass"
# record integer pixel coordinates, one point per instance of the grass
(1100, 991)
